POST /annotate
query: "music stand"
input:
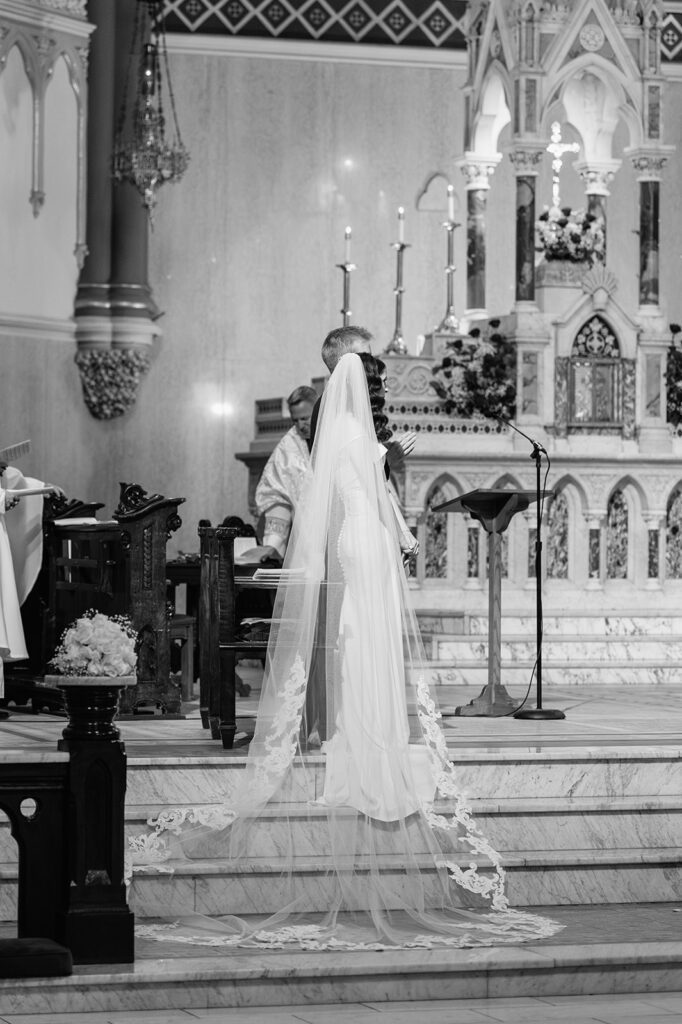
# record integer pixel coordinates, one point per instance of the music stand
(493, 509)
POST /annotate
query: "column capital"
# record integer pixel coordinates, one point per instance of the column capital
(597, 175)
(478, 169)
(649, 163)
(526, 160)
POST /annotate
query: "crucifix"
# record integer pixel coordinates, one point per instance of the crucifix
(557, 148)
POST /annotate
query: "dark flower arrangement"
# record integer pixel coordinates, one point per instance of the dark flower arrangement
(673, 379)
(573, 235)
(477, 376)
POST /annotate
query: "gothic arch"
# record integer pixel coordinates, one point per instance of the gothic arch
(28, 53)
(436, 529)
(507, 480)
(586, 82)
(515, 538)
(631, 484)
(570, 482)
(625, 504)
(673, 533)
(566, 534)
(493, 112)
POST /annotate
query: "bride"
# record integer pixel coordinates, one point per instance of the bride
(400, 859)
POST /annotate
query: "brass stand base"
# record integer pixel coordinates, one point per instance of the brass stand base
(539, 714)
(492, 702)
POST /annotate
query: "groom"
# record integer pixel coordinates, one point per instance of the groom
(336, 344)
(358, 339)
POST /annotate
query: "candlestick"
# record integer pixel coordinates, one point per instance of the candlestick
(347, 269)
(401, 224)
(450, 323)
(451, 202)
(347, 237)
(397, 345)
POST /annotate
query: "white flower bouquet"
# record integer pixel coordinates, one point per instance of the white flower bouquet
(97, 645)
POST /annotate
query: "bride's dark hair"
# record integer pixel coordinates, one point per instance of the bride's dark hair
(375, 372)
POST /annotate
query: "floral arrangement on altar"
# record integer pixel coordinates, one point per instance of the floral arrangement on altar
(573, 235)
(477, 376)
(97, 645)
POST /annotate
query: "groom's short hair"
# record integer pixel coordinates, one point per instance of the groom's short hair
(340, 340)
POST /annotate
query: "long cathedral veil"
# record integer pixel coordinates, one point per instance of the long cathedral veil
(398, 858)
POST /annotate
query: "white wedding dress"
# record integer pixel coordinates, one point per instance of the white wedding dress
(370, 764)
(403, 861)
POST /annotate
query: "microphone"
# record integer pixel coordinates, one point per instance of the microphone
(537, 447)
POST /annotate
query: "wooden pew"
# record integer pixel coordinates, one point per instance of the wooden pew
(223, 602)
(117, 567)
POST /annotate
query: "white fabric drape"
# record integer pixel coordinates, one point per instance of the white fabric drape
(405, 862)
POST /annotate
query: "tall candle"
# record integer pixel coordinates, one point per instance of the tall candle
(401, 224)
(347, 237)
(451, 202)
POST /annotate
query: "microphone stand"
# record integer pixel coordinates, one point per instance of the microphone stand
(537, 712)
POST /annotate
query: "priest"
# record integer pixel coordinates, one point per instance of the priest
(280, 484)
(21, 549)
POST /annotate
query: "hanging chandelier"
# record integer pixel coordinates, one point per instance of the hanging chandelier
(146, 154)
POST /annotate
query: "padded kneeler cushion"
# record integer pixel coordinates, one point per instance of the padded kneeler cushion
(34, 958)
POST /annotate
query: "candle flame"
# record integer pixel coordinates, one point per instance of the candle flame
(401, 212)
(348, 232)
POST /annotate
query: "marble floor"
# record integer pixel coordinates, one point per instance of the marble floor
(596, 716)
(633, 1008)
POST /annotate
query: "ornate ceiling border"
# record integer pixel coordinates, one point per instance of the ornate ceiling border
(436, 24)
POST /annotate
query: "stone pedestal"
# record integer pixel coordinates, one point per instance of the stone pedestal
(558, 284)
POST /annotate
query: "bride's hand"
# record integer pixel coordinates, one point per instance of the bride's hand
(410, 553)
(399, 448)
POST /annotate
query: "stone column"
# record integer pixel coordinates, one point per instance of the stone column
(561, 373)
(649, 168)
(114, 309)
(654, 522)
(597, 177)
(477, 171)
(596, 554)
(525, 166)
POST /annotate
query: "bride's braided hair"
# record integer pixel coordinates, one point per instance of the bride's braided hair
(375, 370)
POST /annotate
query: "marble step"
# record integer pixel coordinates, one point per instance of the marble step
(534, 878)
(285, 978)
(561, 823)
(483, 774)
(569, 649)
(641, 624)
(474, 675)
